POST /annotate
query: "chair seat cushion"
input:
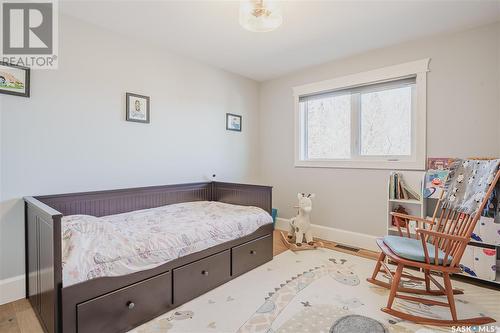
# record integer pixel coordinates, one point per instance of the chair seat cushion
(412, 249)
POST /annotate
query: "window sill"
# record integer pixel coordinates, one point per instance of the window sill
(361, 164)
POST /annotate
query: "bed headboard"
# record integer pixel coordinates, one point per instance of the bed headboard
(243, 194)
(102, 203)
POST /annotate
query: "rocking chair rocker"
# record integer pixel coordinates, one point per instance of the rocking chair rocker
(439, 243)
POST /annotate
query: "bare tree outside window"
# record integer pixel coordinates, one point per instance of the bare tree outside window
(386, 122)
(329, 127)
(360, 122)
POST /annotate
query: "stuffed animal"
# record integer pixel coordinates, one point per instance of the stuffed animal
(300, 225)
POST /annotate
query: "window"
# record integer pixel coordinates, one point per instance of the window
(368, 124)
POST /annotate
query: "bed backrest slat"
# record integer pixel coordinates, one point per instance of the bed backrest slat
(243, 194)
(104, 203)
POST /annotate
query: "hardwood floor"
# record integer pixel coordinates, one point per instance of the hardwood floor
(18, 317)
(279, 247)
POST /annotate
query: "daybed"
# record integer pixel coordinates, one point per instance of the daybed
(107, 300)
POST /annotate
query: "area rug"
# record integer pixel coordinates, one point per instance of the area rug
(310, 291)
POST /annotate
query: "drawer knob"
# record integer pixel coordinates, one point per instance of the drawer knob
(253, 252)
(204, 273)
(130, 305)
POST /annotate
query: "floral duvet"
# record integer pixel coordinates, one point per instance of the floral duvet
(124, 243)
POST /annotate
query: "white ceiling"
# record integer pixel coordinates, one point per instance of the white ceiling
(313, 32)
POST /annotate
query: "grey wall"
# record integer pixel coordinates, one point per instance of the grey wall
(71, 134)
(463, 115)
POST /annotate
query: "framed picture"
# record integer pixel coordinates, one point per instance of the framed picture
(14, 80)
(137, 108)
(233, 122)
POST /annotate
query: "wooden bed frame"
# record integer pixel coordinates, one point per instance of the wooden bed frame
(118, 304)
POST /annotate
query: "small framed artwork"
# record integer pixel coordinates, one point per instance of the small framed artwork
(137, 108)
(14, 80)
(233, 122)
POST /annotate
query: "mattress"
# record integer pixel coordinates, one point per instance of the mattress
(121, 244)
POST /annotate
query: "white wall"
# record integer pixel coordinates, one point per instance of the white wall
(463, 115)
(71, 134)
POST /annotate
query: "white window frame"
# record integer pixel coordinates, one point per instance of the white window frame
(416, 161)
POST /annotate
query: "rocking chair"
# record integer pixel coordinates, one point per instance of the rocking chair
(439, 243)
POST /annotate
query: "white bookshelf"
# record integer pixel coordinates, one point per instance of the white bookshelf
(414, 180)
(424, 208)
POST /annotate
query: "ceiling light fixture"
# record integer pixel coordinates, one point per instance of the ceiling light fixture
(260, 15)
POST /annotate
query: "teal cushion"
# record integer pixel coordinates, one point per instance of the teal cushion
(412, 249)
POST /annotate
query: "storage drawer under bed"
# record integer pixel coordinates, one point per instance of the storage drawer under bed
(128, 307)
(201, 276)
(125, 308)
(251, 254)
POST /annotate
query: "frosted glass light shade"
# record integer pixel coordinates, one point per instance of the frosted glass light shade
(260, 15)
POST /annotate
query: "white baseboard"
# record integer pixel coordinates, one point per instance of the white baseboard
(354, 239)
(12, 289)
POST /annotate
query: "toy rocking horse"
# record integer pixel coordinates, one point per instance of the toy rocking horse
(300, 226)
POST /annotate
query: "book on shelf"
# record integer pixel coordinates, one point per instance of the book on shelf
(391, 186)
(398, 189)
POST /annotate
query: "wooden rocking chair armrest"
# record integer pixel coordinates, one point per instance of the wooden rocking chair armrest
(437, 234)
(438, 237)
(413, 218)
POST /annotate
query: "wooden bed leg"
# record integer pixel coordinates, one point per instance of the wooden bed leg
(395, 285)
